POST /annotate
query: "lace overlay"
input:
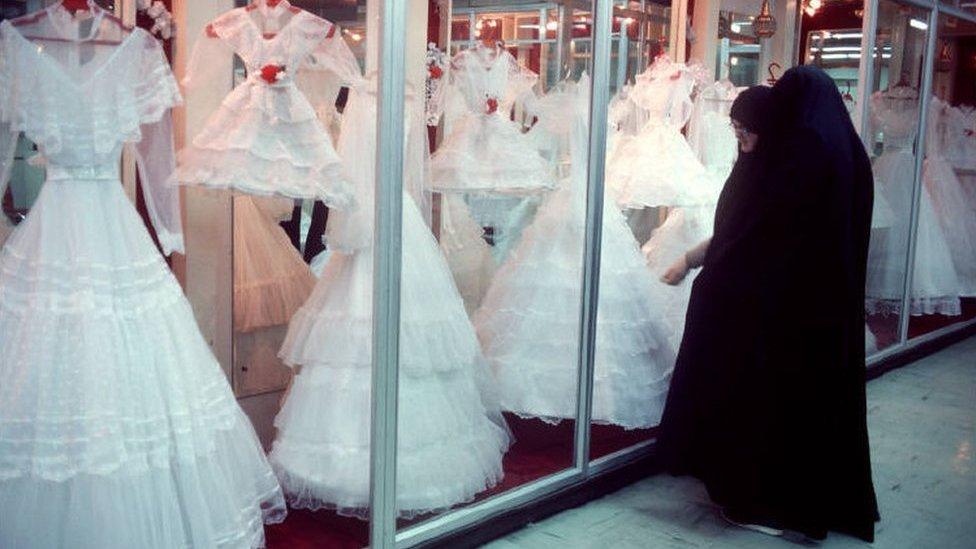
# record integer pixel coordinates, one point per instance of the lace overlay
(527, 322)
(117, 425)
(935, 285)
(449, 415)
(485, 151)
(656, 167)
(265, 137)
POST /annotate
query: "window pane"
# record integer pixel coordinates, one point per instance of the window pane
(893, 122)
(947, 219)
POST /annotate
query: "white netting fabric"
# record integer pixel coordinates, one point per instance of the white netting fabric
(265, 137)
(485, 151)
(528, 320)
(451, 435)
(117, 426)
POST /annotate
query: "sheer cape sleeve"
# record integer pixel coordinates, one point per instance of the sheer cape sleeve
(329, 67)
(521, 88)
(156, 93)
(213, 47)
(331, 54)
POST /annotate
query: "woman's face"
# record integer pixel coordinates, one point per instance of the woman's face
(747, 139)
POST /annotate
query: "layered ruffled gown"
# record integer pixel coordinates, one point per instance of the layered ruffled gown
(485, 151)
(529, 319)
(265, 137)
(657, 167)
(935, 285)
(117, 426)
(451, 435)
(715, 147)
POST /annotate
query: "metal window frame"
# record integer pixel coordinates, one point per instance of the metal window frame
(387, 250)
(387, 255)
(928, 66)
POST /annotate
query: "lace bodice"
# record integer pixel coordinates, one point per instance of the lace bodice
(710, 131)
(82, 96)
(664, 92)
(896, 119)
(961, 138)
(482, 75)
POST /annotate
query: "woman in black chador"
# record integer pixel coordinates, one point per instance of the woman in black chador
(767, 402)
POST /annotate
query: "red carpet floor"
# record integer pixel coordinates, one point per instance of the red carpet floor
(540, 450)
(885, 327)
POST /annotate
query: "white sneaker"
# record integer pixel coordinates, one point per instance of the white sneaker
(762, 529)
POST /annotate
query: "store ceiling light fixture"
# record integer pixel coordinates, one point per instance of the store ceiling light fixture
(920, 25)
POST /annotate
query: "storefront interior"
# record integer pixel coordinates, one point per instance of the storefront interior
(506, 332)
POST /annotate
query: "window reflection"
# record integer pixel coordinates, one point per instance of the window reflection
(892, 137)
(949, 174)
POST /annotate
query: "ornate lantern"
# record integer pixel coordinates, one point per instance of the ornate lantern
(764, 25)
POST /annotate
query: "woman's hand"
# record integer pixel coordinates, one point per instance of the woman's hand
(676, 272)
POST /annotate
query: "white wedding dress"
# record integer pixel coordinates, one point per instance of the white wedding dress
(935, 286)
(451, 435)
(266, 137)
(528, 321)
(657, 167)
(711, 137)
(484, 151)
(710, 132)
(117, 426)
(954, 212)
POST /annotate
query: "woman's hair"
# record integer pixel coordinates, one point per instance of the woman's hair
(751, 108)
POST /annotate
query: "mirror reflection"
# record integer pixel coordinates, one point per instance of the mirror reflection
(832, 40)
(738, 47)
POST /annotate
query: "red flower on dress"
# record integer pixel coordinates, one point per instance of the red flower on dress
(492, 105)
(676, 75)
(272, 73)
(435, 72)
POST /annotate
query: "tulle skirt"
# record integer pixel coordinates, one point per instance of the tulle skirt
(957, 218)
(935, 286)
(658, 168)
(528, 322)
(451, 435)
(683, 229)
(271, 280)
(117, 426)
(467, 253)
(487, 153)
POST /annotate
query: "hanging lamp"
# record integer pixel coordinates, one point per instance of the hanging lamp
(764, 25)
